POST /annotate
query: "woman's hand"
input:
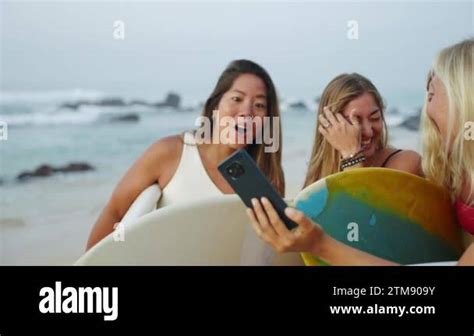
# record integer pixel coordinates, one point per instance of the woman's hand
(345, 137)
(307, 237)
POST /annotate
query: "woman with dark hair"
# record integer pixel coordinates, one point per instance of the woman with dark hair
(185, 168)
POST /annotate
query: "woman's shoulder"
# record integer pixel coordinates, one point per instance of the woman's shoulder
(163, 152)
(166, 147)
(404, 159)
(164, 156)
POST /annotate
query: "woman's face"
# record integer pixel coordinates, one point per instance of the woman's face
(366, 110)
(437, 106)
(245, 101)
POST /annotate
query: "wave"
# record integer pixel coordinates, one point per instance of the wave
(56, 96)
(87, 114)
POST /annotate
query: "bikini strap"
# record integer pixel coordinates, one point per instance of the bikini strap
(390, 156)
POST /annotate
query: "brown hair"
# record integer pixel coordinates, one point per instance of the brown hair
(269, 163)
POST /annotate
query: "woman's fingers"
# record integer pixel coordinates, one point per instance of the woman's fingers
(340, 118)
(323, 131)
(304, 223)
(330, 116)
(353, 118)
(254, 223)
(275, 219)
(262, 219)
(263, 234)
(323, 121)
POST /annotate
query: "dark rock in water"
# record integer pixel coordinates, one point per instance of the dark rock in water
(102, 102)
(172, 100)
(41, 171)
(76, 105)
(140, 102)
(47, 170)
(74, 167)
(412, 123)
(131, 117)
(111, 102)
(72, 106)
(298, 105)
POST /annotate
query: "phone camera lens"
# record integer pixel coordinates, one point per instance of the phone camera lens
(235, 170)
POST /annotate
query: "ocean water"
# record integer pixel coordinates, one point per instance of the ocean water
(47, 220)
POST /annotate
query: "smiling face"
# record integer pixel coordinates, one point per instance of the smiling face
(245, 101)
(365, 109)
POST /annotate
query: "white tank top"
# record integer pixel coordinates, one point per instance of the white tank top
(190, 181)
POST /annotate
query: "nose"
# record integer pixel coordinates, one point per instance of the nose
(246, 109)
(366, 129)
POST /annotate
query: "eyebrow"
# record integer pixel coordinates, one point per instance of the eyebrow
(375, 111)
(243, 93)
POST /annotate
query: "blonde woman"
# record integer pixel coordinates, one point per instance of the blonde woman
(448, 160)
(352, 132)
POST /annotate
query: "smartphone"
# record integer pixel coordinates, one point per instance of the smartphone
(244, 176)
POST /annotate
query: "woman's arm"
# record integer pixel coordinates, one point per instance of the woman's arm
(467, 259)
(310, 237)
(336, 253)
(307, 237)
(144, 172)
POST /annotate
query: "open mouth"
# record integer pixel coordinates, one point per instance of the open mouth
(241, 129)
(366, 144)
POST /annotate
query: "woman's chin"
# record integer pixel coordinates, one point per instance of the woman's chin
(369, 152)
(240, 141)
(237, 146)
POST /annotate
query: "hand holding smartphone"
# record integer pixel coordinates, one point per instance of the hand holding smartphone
(244, 176)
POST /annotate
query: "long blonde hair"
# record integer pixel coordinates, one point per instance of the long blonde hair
(338, 93)
(449, 167)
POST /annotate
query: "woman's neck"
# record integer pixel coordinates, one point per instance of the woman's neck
(370, 161)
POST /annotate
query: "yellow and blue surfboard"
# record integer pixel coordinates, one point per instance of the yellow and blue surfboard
(387, 213)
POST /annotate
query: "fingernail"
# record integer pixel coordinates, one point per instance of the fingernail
(290, 211)
(254, 201)
(264, 200)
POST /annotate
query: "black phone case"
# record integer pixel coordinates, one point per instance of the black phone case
(249, 182)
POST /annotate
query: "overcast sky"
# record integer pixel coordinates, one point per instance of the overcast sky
(184, 46)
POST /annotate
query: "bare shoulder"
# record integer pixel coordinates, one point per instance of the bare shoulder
(165, 154)
(166, 148)
(408, 161)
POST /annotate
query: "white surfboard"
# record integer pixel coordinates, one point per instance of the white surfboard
(213, 231)
(143, 204)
